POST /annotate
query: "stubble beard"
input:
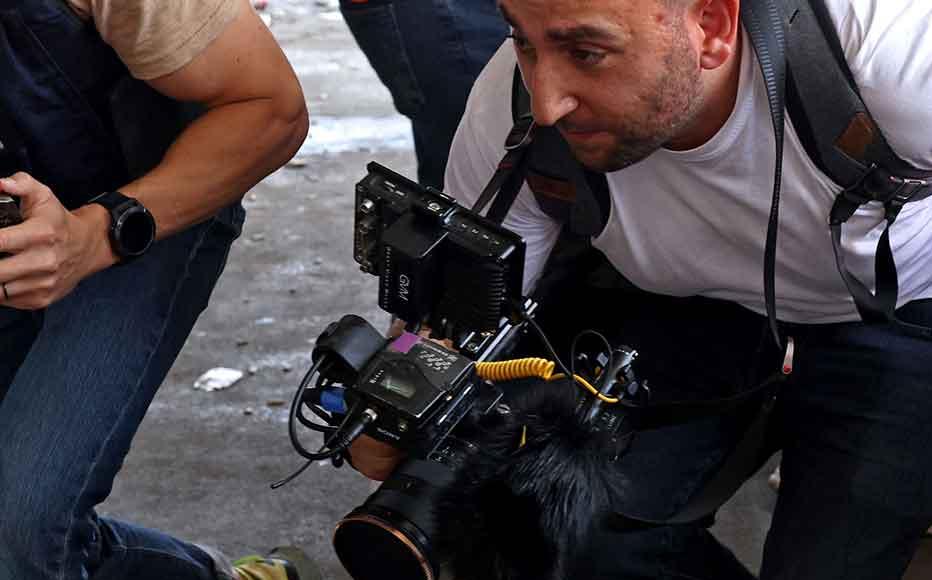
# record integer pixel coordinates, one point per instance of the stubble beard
(674, 104)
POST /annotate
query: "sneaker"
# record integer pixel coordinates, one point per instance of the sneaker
(287, 563)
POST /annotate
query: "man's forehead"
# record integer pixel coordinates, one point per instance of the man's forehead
(571, 18)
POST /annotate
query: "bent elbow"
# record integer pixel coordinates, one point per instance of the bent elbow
(296, 124)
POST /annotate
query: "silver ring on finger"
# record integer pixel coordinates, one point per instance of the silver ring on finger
(6, 294)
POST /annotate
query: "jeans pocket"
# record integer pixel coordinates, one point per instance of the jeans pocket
(375, 27)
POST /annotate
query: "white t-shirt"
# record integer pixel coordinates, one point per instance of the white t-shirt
(694, 222)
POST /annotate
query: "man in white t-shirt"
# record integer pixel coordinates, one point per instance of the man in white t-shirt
(666, 98)
(131, 130)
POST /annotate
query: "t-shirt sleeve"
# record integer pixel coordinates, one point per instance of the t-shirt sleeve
(478, 147)
(157, 37)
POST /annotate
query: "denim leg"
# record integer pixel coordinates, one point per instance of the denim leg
(447, 58)
(428, 53)
(685, 552)
(689, 349)
(76, 401)
(856, 491)
(18, 330)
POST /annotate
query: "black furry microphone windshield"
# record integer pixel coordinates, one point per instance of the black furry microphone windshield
(520, 508)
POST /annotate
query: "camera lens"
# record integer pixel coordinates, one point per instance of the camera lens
(390, 536)
(373, 547)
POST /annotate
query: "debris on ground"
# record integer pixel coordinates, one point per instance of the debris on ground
(218, 379)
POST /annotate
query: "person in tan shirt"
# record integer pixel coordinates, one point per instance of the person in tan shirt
(132, 129)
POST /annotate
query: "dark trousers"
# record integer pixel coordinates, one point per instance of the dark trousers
(427, 53)
(75, 383)
(854, 421)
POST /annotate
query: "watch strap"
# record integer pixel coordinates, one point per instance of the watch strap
(118, 206)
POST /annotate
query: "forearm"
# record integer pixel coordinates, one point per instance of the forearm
(213, 164)
(255, 121)
(218, 159)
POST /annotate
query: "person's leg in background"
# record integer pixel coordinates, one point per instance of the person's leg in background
(856, 475)
(427, 53)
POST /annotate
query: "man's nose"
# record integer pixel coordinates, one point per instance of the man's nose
(551, 99)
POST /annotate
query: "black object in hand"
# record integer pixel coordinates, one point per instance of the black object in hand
(9, 212)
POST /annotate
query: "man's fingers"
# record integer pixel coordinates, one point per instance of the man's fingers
(29, 234)
(25, 264)
(374, 459)
(19, 184)
(396, 328)
(24, 294)
(25, 187)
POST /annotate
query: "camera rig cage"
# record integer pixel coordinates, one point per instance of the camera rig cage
(438, 263)
(448, 269)
(440, 266)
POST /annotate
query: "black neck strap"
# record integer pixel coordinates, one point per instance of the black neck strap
(764, 25)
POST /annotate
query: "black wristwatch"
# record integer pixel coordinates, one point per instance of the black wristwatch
(132, 227)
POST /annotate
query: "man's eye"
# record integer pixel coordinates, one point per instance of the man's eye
(587, 57)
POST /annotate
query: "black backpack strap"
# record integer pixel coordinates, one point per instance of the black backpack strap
(509, 175)
(764, 25)
(838, 131)
(845, 142)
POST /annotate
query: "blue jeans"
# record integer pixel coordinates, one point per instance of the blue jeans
(854, 421)
(75, 383)
(427, 53)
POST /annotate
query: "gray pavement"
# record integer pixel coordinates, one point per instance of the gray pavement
(202, 463)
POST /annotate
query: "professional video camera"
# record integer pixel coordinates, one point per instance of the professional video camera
(453, 276)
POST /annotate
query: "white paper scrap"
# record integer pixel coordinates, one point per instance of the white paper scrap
(218, 379)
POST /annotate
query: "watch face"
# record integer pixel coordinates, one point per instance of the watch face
(135, 231)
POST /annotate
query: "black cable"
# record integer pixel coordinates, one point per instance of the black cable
(296, 402)
(547, 344)
(600, 336)
(325, 429)
(321, 454)
(323, 383)
(293, 476)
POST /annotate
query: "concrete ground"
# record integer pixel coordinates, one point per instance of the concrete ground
(202, 463)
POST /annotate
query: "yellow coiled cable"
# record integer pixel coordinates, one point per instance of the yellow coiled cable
(525, 368)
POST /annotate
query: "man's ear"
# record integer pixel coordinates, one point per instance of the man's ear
(717, 27)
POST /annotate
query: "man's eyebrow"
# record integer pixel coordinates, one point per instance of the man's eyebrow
(580, 32)
(568, 34)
